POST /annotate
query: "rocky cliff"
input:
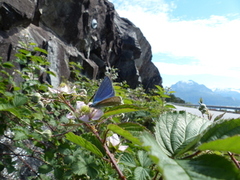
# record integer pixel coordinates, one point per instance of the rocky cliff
(86, 31)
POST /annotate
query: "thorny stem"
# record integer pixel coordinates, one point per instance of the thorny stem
(234, 160)
(110, 155)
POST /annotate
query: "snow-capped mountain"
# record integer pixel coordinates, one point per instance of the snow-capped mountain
(191, 92)
(234, 93)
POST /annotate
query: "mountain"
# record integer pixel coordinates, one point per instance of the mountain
(191, 92)
(234, 93)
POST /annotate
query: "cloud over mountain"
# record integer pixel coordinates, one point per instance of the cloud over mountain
(191, 92)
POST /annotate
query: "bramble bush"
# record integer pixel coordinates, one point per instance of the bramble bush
(53, 133)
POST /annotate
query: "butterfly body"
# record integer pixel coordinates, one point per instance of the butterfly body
(105, 95)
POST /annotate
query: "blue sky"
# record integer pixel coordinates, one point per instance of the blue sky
(191, 39)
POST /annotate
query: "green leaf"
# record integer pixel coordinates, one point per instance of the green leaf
(209, 166)
(222, 129)
(59, 172)
(219, 116)
(69, 159)
(44, 169)
(121, 109)
(51, 73)
(167, 166)
(130, 126)
(5, 107)
(144, 159)
(177, 132)
(229, 144)
(32, 44)
(20, 135)
(93, 139)
(141, 173)
(79, 168)
(7, 65)
(128, 160)
(11, 109)
(19, 100)
(40, 50)
(134, 128)
(123, 133)
(23, 51)
(84, 143)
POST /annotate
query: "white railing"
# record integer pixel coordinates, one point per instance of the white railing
(237, 109)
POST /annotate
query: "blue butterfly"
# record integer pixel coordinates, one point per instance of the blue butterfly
(105, 95)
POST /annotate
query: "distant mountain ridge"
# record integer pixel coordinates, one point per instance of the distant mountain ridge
(191, 92)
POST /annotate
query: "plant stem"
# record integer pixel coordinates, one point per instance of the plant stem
(234, 160)
(110, 155)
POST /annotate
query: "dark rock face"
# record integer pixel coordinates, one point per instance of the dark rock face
(86, 31)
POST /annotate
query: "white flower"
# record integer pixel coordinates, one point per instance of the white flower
(85, 113)
(63, 88)
(114, 141)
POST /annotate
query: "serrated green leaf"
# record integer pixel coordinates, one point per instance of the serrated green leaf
(128, 160)
(221, 129)
(141, 173)
(69, 159)
(123, 133)
(79, 168)
(177, 132)
(209, 166)
(121, 109)
(20, 135)
(19, 100)
(167, 166)
(229, 144)
(144, 159)
(44, 169)
(84, 143)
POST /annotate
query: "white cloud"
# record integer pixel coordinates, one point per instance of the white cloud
(214, 42)
(196, 69)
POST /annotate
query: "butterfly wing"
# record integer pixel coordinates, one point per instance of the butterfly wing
(112, 101)
(105, 91)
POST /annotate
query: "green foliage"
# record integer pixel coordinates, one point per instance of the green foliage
(84, 143)
(52, 133)
(177, 132)
(179, 137)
